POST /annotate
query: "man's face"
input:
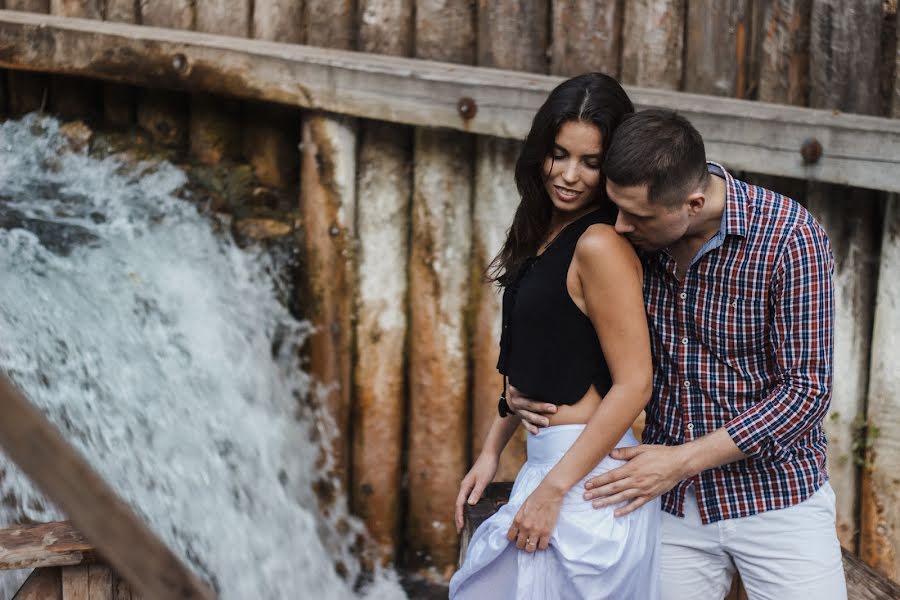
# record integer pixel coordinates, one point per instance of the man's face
(647, 226)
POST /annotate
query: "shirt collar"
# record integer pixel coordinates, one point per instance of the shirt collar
(734, 217)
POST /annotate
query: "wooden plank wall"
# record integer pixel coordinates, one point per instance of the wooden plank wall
(400, 222)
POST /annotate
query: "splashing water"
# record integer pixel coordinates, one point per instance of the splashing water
(159, 349)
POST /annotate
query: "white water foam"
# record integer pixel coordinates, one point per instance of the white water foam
(159, 349)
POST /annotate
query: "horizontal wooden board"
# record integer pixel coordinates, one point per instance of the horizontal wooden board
(858, 150)
(44, 545)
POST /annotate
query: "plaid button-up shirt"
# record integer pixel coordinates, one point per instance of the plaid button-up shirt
(744, 342)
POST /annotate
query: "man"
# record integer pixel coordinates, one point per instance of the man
(739, 297)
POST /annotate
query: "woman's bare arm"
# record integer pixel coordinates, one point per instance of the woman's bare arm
(612, 297)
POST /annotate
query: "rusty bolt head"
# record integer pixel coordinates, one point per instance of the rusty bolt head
(180, 63)
(466, 108)
(811, 151)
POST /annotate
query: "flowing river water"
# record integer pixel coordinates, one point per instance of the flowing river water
(161, 350)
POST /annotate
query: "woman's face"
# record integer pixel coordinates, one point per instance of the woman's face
(572, 169)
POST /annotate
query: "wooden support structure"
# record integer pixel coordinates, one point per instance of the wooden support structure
(880, 535)
(328, 205)
(66, 566)
(120, 100)
(438, 417)
(271, 133)
(61, 473)
(384, 190)
(586, 36)
(845, 77)
(652, 44)
(27, 92)
(858, 150)
(215, 126)
(163, 113)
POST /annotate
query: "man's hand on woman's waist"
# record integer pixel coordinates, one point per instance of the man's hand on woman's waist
(532, 412)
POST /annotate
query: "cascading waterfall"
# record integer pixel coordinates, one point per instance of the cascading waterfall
(160, 350)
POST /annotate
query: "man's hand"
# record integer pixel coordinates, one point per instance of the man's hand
(651, 471)
(530, 411)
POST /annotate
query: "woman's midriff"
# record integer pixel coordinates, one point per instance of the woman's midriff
(578, 413)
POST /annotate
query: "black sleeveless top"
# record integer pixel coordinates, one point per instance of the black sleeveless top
(548, 348)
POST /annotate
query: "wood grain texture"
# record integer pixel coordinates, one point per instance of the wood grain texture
(859, 150)
(513, 35)
(42, 584)
(586, 36)
(70, 483)
(717, 51)
(439, 295)
(384, 189)
(784, 51)
(839, 80)
(44, 545)
(652, 43)
(271, 133)
(277, 21)
(438, 418)
(328, 205)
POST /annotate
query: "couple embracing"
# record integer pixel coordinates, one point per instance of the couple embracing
(638, 275)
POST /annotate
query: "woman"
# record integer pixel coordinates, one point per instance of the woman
(574, 335)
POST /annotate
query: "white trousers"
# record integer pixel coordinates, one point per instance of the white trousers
(787, 554)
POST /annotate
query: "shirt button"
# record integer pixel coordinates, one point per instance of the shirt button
(690, 426)
(684, 341)
(683, 295)
(687, 384)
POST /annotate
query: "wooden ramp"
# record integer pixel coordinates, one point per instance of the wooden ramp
(863, 583)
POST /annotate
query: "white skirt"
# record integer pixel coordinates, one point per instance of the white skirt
(592, 554)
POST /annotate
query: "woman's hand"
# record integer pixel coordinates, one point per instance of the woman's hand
(473, 484)
(536, 519)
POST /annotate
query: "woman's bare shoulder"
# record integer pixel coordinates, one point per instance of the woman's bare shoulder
(602, 245)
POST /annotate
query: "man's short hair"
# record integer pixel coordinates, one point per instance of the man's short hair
(661, 149)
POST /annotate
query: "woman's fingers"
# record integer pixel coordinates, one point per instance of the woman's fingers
(477, 490)
(464, 490)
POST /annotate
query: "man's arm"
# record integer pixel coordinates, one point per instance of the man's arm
(802, 294)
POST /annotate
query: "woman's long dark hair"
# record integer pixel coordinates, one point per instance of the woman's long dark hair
(591, 98)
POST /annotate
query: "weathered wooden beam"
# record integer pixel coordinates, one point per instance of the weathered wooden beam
(44, 545)
(42, 584)
(440, 244)
(858, 150)
(58, 470)
(384, 190)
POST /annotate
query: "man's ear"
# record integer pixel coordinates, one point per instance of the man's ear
(696, 202)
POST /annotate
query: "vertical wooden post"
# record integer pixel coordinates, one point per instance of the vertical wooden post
(215, 127)
(75, 97)
(880, 514)
(717, 42)
(271, 132)
(586, 36)
(27, 91)
(511, 35)
(162, 113)
(384, 188)
(438, 288)
(844, 76)
(652, 43)
(119, 99)
(327, 203)
(781, 53)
